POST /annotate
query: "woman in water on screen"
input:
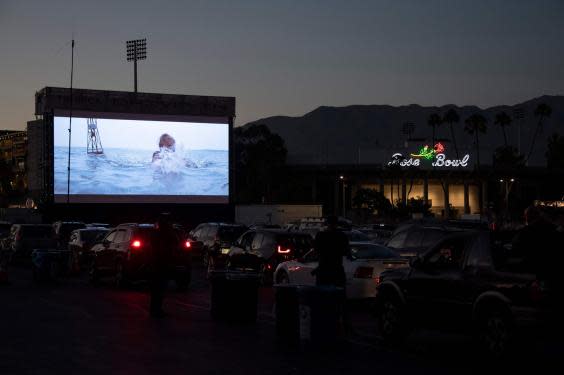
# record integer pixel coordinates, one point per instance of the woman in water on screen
(166, 144)
(167, 160)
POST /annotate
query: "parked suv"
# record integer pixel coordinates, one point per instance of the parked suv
(469, 281)
(24, 238)
(125, 255)
(265, 247)
(215, 236)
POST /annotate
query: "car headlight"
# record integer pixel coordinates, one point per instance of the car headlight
(225, 251)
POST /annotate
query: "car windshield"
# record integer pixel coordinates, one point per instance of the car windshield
(92, 235)
(372, 252)
(38, 231)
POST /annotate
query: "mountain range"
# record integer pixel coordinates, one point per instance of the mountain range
(370, 134)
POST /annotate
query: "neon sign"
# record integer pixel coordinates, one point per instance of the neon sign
(434, 154)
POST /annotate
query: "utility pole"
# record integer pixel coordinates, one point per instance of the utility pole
(70, 123)
(136, 50)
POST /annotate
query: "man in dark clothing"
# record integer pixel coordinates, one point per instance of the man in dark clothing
(539, 245)
(165, 241)
(331, 246)
(536, 243)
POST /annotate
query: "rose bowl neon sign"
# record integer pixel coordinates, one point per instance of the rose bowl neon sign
(434, 154)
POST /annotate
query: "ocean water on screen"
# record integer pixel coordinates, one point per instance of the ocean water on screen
(133, 172)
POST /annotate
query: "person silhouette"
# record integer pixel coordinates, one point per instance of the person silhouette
(331, 245)
(164, 242)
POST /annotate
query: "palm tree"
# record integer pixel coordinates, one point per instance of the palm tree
(503, 120)
(452, 117)
(542, 112)
(474, 125)
(434, 121)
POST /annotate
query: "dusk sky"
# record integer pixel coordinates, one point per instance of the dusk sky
(287, 57)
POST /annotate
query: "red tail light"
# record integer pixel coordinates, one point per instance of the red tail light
(363, 273)
(282, 250)
(136, 244)
(187, 244)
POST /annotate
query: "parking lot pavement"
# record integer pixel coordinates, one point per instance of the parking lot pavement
(75, 328)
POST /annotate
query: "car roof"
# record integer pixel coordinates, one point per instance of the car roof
(135, 225)
(222, 224)
(279, 231)
(367, 243)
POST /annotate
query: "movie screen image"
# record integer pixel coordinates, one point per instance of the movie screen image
(141, 160)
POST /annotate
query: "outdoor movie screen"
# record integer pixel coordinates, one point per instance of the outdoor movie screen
(129, 161)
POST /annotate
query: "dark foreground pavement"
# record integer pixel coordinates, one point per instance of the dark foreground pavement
(75, 328)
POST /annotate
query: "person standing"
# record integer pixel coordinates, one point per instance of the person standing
(331, 246)
(165, 241)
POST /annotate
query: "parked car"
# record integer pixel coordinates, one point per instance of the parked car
(214, 237)
(80, 244)
(266, 247)
(125, 254)
(362, 269)
(63, 231)
(24, 238)
(409, 240)
(468, 282)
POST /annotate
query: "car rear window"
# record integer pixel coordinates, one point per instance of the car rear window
(91, 235)
(230, 233)
(372, 252)
(431, 237)
(300, 242)
(38, 231)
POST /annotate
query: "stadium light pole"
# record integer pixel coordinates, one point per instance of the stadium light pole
(136, 50)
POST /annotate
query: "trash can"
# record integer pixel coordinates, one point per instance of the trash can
(321, 314)
(234, 296)
(309, 314)
(287, 313)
